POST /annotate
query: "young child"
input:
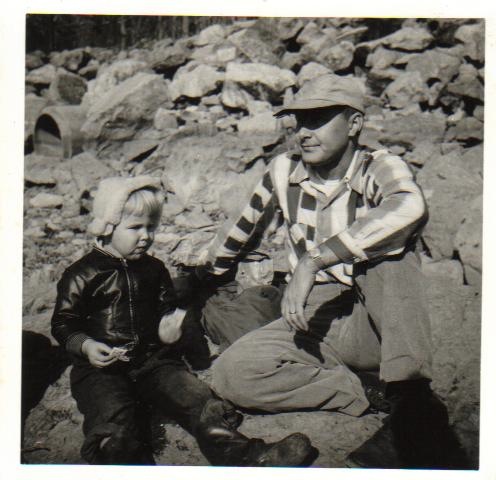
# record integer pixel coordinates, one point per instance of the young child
(116, 314)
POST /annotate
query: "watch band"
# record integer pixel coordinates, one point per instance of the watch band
(316, 255)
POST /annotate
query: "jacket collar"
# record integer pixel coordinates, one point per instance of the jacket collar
(98, 248)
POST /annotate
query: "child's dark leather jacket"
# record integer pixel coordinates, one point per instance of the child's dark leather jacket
(112, 300)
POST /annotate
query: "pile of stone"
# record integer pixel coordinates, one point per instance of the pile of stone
(198, 113)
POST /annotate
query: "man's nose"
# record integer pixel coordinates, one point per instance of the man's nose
(303, 132)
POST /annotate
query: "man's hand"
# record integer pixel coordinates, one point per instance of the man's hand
(296, 294)
(170, 327)
(98, 353)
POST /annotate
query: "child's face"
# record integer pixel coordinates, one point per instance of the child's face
(133, 236)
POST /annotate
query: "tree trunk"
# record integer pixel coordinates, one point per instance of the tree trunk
(185, 29)
(123, 32)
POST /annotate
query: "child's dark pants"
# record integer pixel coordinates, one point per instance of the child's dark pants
(113, 398)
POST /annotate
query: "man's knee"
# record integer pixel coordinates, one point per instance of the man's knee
(228, 375)
(240, 378)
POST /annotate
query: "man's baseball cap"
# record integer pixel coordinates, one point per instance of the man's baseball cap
(327, 90)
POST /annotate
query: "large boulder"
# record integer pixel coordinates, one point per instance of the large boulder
(40, 170)
(259, 43)
(194, 81)
(472, 38)
(165, 119)
(233, 96)
(310, 32)
(474, 159)
(193, 220)
(34, 60)
(408, 38)
(455, 318)
(67, 88)
(264, 122)
(87, 171)
(205, 182)
(211, 35)
(268, 81)
(408, 128)
(437, 64)
(168, 58)
(46, 200)
(42, 76)
(467, 83)
(468, 243)
(337, 57)
(38, 294)
(423, 152)
(140, 54)
(319, 40)
(465, 398)
(215, 55)
(190, 247)
(467, 129)
(288, 28)
(408, 88)
(450, 189)
(380, 61)
(90, 71)
(127, 107)
(109, 76)
(71, 60)
(444, 270)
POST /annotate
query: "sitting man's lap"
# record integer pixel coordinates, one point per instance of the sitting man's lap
(277, 369)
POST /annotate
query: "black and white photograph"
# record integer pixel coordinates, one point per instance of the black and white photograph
(252, 241)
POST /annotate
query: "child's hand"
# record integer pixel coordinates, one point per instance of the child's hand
(98, 353)
(169, 329)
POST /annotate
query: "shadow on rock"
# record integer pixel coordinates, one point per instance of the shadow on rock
(42, 364)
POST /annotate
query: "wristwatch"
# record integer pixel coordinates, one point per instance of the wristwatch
(316, 255)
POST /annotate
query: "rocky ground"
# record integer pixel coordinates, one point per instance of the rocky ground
(198, 113)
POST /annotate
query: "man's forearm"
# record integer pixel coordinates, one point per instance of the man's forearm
(322, 257)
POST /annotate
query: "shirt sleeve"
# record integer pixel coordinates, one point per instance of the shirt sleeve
(238, 231)
(396, 213)
(68, 316)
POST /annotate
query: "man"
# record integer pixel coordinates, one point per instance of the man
(354, 300)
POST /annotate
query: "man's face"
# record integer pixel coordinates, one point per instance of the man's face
(322, 134)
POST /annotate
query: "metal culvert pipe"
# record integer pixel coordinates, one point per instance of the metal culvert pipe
(57, 131)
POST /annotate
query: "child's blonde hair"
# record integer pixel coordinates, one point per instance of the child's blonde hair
(144, 202)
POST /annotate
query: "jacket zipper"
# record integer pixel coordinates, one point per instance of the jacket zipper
(131, 310)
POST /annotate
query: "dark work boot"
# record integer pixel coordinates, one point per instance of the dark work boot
(375, 392)
(224, 445)
(417, 434)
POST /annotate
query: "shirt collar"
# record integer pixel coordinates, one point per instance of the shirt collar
(351, 177)
(299, 174)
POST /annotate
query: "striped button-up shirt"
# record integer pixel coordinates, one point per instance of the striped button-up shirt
(375, 210)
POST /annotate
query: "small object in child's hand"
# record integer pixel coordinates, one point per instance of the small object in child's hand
(120, 354)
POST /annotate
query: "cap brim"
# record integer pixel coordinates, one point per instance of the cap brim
(307, 105)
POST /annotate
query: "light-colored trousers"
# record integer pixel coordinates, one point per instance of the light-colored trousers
(382, 324)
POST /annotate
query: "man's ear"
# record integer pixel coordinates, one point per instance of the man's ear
(355, 123)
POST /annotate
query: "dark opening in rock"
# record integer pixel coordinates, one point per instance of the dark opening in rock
(57, 131)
